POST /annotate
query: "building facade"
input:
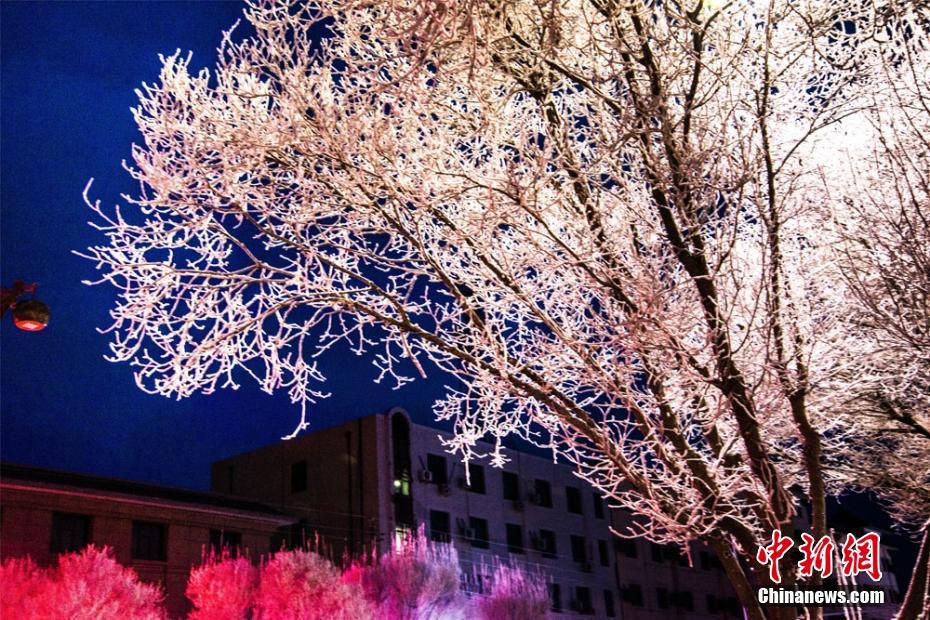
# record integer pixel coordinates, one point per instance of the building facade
(359, 485)
(161, 532)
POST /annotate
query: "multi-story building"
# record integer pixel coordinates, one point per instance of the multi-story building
(161, 532)
(365, 482)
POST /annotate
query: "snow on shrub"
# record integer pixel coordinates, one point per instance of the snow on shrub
(84, 586)
(223, 588)
(418, 580)
(23, 585)
(300, 585)
(515, 595)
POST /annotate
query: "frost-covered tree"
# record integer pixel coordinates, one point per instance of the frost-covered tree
(417, 580)
(306, 586)
(222, 588)
(87, 585)
(613, 222)
(885, 256)
(515, 594)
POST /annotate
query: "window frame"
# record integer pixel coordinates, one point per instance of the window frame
(136, 552)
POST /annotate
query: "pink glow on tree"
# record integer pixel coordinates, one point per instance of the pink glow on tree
(223, 588)
(515, 595)
(306, 586)
(88, 585)
(417, 580)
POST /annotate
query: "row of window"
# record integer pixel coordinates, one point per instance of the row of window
(542, 540)
(72, 532)
(666, 553)
(541, 493)
(666, 599)
(580, 601)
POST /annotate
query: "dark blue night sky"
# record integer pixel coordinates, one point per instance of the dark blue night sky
(68, 74)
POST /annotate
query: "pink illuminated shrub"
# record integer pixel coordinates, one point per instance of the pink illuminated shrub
(515, 595)
(300, 585)
(222, 589)
(84, 586)
(23, 585)
(418, 580)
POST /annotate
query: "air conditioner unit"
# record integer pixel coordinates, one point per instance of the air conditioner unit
(442, 488)
(518, 505)
(426, 476)
(469, 533)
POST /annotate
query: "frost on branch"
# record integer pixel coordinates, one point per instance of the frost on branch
(223, 588)
(417, 580)
(515, 595)
(614, 224)
(302, 584)
(83, 586)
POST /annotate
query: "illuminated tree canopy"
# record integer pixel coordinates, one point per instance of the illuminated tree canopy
(647, 235)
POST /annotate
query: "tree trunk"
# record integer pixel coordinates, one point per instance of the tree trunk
(916, 605)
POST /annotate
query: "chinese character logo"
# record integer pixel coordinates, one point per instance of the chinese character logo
(771, 554)
(858, 555)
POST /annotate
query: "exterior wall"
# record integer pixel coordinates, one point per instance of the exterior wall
(656, 569)
(28, 510)
(491, 506)
(347, 514)
(341, 502)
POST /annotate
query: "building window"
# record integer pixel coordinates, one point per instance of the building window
(436, 464)
(542, 493)
(633, 594)
(476, 477)
(222, 541)
(709, 561)
(403, 471)
(662, 598)
(439, 526)
(70, 532)
(626, 546)
(583, 600)
(684, 600)
(602, 552)
(299, 477)
(578, 549)
(711, 604)
(545, 543)
(511, 486)
(609, 603)
(480, 529)
(514, 538)
(555, 597)
(148, 541)
(598, 505)
(573, 499)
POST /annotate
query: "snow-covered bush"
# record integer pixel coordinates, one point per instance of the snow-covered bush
(515, 595)
(418, 580)
(88, 585)
(223, 588)
(300, 585)
(23, 585)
